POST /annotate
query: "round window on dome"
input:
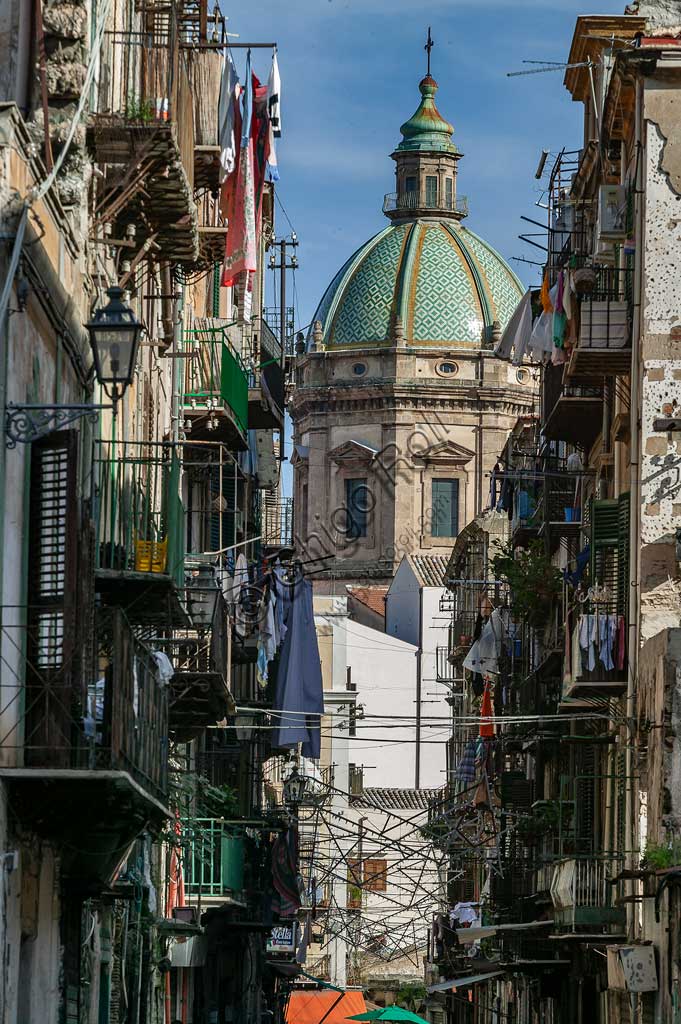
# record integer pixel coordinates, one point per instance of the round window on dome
(359, 369)
(447, 368)
(522, 376)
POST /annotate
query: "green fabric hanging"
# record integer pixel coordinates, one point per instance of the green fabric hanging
(234, 386)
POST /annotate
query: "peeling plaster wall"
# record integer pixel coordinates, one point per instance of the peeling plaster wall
(661, 356)
(659, 704)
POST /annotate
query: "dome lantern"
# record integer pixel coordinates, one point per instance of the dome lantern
(426, 163)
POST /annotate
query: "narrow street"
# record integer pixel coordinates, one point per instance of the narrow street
(340, 512)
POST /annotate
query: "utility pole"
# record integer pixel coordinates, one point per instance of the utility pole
(282, 266)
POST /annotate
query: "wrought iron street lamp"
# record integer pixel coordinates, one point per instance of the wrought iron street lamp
(203, 594)
(114, 334)
(295, 787)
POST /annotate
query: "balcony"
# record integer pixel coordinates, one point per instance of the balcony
(213, 860)
(581, 682)
(548, 504)
(319, 967)
(277, 522)
(582, 896)
(139, 523)
(410, 204)
(142, 134)
(95, 750)
(215, 394)
(575, 415)
(266, 394)
(199, 694)
(604, 344)
(212, 231)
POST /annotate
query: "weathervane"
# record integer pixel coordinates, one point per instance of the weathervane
(428, 47)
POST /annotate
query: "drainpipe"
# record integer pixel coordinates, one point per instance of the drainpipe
(419, 660)
(635, 500)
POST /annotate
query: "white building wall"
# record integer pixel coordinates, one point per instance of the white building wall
(434, 733)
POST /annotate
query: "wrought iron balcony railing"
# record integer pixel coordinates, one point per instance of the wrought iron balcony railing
(138, 513)
(213, 857)
(215, 394)
(115, 720)
(582, 894)
(408, 202)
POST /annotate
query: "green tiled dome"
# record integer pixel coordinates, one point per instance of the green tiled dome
(446, 285)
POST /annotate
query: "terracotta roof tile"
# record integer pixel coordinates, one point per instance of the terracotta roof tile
(372, 597)
(429, 569)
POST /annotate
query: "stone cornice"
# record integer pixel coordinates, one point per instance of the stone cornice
(512, 402)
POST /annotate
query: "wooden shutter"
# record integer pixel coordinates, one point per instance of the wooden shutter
(623, 513)
(376, 875)
(604, 544)
(52, 578)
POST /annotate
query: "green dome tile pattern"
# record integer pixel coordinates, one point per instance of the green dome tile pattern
(502, 283)
(366, 302)
(446, 303)
(446, 284)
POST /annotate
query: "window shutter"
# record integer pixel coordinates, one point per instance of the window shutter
(445, 508)
(52, 586)
(623, 514)
(375, 875)
(604, 542)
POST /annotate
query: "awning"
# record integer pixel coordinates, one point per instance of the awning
(306, 1007)
(467, 936)
(471, 979)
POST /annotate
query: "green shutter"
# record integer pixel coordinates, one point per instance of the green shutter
(445, 508)
(234, 386)
(623, 513)
(604, 541)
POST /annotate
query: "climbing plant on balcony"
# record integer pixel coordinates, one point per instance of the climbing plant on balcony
(533, 581)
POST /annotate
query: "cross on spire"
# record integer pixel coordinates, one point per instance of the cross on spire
(428, 47)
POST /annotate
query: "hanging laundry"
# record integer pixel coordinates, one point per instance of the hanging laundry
(588, 637)
(621, 642)
(545, 295)
(227, 116)
(282, 607)
(286, 901)
(247, 104)
(518, 330)
(581, 562)
(164, 666)
(568, 296)
(465, 771)
(607, 635)
(274, 116)
(267, 644)
(541, 339)
(244, 225)
(483, 656)
(487, 712)
(299, 697)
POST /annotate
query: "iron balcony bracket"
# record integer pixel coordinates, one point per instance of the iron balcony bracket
(31, 422)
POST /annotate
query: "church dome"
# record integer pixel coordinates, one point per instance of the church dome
(431, 280)
(425, 279)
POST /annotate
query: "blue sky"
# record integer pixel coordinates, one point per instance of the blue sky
(350, 71)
